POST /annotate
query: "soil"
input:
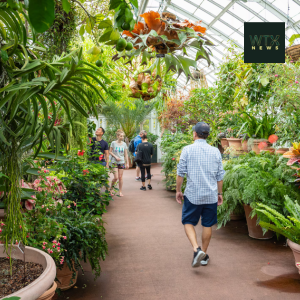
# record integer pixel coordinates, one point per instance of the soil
(11, 284)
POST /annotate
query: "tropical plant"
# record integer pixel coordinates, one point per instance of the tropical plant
(287, 226)
(252, 179)
(28, 86)
(127, 118)
(260, 127)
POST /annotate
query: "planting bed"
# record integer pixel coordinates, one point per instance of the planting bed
(11, 284)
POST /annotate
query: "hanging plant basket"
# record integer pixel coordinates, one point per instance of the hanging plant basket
(293, 52)
(145, 87)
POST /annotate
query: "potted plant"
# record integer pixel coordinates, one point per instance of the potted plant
(259, 129)
(286, 226)
(250, 179)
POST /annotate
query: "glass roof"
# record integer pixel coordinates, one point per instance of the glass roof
(224, 20)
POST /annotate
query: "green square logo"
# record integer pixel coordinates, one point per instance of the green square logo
(264, 42)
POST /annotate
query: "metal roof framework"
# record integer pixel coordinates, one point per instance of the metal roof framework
(224, 22)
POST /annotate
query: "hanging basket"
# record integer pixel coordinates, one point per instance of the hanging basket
(145, 87)
(293, 52)
(197, 74)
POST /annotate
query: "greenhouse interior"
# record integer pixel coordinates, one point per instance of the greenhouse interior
(149, 149)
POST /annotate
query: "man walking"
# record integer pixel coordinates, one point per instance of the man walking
(99, 149)
(202, 164)
(137, 141)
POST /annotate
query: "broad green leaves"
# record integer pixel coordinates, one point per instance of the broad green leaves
(41, 14)
(66, 6)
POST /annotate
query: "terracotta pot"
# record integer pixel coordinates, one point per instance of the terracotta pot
(48, 295)
(256, 143)
(281, 150)
(255, 231)
(224, 143)
(65, 278)
(296, 251)
(42, 284)
(235, 143)
(236, 217)
(270, 150)
(245, 146)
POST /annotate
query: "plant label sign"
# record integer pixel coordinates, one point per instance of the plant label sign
(160, 55)
(21, 247)
(264, 42)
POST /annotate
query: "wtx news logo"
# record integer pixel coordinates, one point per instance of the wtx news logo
(264, 42)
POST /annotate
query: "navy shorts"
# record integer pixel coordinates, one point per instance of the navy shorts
(191, 213)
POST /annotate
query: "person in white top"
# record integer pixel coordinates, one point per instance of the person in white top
(119, 160)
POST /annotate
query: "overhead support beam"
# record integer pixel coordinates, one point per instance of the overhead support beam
(142, 7)
(221, 14)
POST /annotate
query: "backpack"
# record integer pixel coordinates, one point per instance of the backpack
(131, 146)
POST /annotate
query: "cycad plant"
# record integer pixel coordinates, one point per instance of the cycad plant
(125, 117)
(287, 226)
(28, 87)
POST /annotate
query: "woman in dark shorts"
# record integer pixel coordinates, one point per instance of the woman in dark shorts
(119, 160)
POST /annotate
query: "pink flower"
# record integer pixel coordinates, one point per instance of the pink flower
(68, 206)
(44, 243)
(53, 246)
(43, 206)
(20, 227)
(61, 262)
(44, 231)
(296, 81)
(58, 244)
(276, 75)
(64, 237)
(58, 249)
(44, 247)
(39, 172)
(54, 242)
(0, 230)
(173, 158)
(47, 209)
(2, 224)
(80, 153)
(51, 251)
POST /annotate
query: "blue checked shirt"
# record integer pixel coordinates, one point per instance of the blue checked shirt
(202, 164)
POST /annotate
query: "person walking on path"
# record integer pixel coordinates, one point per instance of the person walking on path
(119, 161)
(99, 149)
(146, 149)
(137, 141)
(202, 164)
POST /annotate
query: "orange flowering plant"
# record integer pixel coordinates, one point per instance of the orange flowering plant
(164, 34)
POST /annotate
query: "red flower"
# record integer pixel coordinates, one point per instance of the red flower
(273, 138)
(101, 157)
(80, 153)
(173, 158)
(262, 145)
(85, 171)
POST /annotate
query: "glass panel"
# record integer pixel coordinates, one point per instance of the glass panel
(221, 2)
(211, 7)
(283, 6)
(237, 38)
(270, 16)
(255, 19)
(232, 20)
(255, 6)
(203, 16)
(177, 13)
(146, 125)
(241, 12)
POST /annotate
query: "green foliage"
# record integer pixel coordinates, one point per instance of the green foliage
(287, 226)
(152, 138)
(127, 118)
(251, 179)
(171, 146)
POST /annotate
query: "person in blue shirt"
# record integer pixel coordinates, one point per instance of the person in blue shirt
(138, 140)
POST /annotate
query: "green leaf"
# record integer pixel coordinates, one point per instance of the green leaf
(128, 15)
(105, 37)
(292, 38)
(186, 64)
(3, 55)
(135, 3)
(88, 28)
(114, 4)
(82, 30)
(114, 36)
(264, 81)
(41, 14)
(105, 24)
(95, 50)
(182, 37)
(66, 6)
(145, 87)
(34, 171)
(12, 298)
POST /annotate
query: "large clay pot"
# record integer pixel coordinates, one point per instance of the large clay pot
(65, 276)
(245, 146)
(255, 144)
(281, 150)
(42, 284)
(296, 251)
(236, 144)
(48, 295)
(224, 143)
(255, 231)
